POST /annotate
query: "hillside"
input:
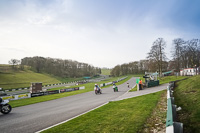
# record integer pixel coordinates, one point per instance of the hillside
(187, 96)
(19, 79)
(105, 71)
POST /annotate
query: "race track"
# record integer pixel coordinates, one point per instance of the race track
(35, 117)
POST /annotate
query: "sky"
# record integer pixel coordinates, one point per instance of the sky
(102, 33)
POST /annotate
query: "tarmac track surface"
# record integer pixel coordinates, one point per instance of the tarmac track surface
(35, 117)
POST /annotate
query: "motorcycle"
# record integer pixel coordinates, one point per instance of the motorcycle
(115, 88)
(98, 91)
(5, 108)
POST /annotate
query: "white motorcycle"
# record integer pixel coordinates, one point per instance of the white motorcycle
(5, 108)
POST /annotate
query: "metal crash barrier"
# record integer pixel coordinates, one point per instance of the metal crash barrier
(171, 125)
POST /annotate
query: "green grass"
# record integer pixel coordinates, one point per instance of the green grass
(105, 71)
(12, 79)
(187, 96)
(88, 87)
(133, 89)
(168, 79)
(22, 79)
(64, 80)
(126, 116)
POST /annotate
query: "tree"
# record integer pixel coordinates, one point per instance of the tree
(157, 54)
(193, 52)
(116, 71)
(177, 52)
(59, 67)
(14, 62)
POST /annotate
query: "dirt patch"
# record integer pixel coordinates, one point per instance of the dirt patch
(157, 121)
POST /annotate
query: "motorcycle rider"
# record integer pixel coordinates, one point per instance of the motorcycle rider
(5, 108)
(96, 87)
(128, 85)
(114, 86)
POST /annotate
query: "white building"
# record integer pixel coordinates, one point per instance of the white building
(189, 71)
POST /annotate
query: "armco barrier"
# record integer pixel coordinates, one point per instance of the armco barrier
(171, 125)
(16, 89)
(109, 83)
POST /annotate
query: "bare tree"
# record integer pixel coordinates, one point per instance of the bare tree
(14, 63)
(193, 52)
(177, 52)
(157, 54)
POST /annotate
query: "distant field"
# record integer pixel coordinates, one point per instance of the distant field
(105, 71)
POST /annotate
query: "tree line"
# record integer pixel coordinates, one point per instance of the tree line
(58, 67)
(185, 54)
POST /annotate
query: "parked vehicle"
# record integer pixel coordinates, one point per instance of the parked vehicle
(5, 108)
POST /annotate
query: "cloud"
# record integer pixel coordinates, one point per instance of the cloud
(103, 33)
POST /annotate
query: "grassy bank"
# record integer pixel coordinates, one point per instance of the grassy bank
(12, 79)
(127, 116)
(21, 79)
(88, 87)
(168, 79)
(187, 96)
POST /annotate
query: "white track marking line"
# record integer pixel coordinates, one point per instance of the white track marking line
(72, 118)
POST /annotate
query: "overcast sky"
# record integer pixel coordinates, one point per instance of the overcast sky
(103, 33)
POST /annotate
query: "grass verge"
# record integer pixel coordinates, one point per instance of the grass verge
(187, 96)
(133, 89)
(126, 116)
(157, 121)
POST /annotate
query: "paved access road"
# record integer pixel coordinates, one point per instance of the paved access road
(35, 117)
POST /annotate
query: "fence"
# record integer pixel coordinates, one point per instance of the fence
(171, 125)
(29, 95)
(48, 85)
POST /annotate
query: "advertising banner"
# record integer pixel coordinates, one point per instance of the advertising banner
(8, 97)
(77, 88)
(23, 96)
(62, 90)
(53, 92)
(83, 87)
(70, 89)
(37, 94)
